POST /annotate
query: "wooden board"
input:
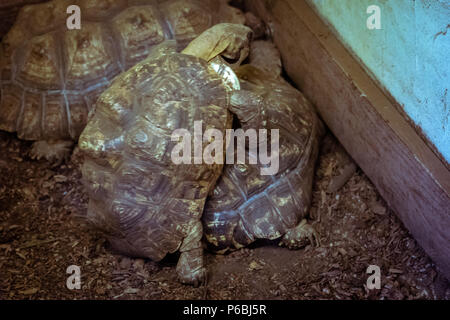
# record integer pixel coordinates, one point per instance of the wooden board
(412, 179)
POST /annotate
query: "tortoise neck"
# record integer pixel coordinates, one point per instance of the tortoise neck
(229, 78)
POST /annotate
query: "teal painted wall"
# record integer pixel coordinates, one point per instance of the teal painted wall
(410, 55)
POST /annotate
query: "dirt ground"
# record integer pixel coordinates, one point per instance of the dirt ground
(40, 237)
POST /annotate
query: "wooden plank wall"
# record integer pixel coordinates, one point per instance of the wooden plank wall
(413, 180)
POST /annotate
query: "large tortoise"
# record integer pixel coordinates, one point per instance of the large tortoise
(245, 205)
(147, 204)
(50, 77)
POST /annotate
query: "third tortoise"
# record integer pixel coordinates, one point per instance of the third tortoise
(50, 77)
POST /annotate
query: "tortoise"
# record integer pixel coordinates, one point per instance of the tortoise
(146, 204)
(245, 205)
(50, 77)
(265, 56)
(8, 13)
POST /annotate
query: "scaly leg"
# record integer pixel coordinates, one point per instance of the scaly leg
(191, 265)
(54, 151)
(299, 236)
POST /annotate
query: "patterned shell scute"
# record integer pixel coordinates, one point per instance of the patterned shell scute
(145, 202)
(50, 77)
(246, 205)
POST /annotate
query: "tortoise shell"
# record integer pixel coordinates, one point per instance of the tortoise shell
(144, 202)
(50, 76)
(8, 13)
(245, 205)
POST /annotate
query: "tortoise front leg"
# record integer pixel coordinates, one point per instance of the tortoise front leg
(299, 236)
(54, 151)
(191, 266)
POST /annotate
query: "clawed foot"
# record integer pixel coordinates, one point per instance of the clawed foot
(53, 151)
(299, 236)
(195, 278)
(190, 267)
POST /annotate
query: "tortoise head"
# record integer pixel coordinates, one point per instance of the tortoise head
(226, 40)
(253, 74)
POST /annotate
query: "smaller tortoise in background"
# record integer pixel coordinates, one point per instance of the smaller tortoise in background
(8, 13)
(245, 205)
(147, 204)
(50, 77)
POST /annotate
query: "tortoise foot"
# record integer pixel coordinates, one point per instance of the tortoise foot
(300, 236)
(52, 151)
(190, 267)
